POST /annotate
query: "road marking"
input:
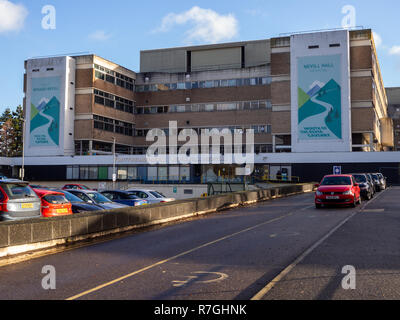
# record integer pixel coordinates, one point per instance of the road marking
(220, 277)
(289, 268)
(373, 210)
(107, 284)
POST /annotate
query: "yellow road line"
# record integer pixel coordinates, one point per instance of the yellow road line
(175, 257)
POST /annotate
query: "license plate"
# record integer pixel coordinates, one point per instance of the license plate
(62, 210)
(27, 205)
(332, 197)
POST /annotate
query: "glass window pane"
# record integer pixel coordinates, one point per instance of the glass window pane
(152, 173)
(122, 173)
(132, 173)
(174, 173)
(103, 173)
(184, 174)
(163, 173)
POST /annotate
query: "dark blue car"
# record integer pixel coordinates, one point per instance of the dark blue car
(123, 197)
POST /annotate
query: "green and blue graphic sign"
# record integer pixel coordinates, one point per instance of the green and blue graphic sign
(319, 98)
(45, 112)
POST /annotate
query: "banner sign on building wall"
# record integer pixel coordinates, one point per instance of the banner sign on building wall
(319, 98)
(45, 112)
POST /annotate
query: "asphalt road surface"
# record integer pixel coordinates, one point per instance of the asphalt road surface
(280, 249)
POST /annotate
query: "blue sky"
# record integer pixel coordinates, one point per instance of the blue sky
(118, 30)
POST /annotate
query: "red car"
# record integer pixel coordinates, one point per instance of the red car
(338, 190)
(74, 186)
(54, 203)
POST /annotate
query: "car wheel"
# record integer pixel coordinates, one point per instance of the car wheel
(354, 203)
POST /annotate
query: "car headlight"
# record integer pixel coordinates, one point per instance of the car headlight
(348, 193)
(319, 193)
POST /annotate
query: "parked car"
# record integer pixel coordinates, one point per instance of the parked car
(124, 197)
(94, 197)
(18, 201)
(150, 196)
(3, 177)
(339, 190)
(377, 181)
(371, 181)
(75, 186)
(382, 181)
(366, 188)
(54, 203)
(78, 205)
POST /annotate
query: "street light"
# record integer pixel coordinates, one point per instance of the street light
(114, 178)
(23, 152)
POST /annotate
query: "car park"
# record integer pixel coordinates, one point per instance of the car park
(150, 196)
(75, 186)
(366, 188)
(124, 197)
(18, 201)
(337, 190)
(94, 197)
(78, 205)
(54, 203)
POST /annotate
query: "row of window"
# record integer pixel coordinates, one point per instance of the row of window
(258, 129)
(124, 173)
(114, 77)
(204, 84)
(112, 101)
(258, 148)
(207, 107)
(111, 125)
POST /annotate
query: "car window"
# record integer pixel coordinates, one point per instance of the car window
(55, 199)
(71, 197)
(360, 178)
(18, 191)
(98, 197)
(336, 181)
(82, 196)
(156, 194)
(108, 195)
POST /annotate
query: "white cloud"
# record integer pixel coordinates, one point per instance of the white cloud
(99, 35)
(12, 16)
(395, 50)
(377, 39)
(209, 26)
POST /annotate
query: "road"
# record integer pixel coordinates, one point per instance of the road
(232, 255)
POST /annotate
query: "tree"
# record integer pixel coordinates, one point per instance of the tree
(11, 131)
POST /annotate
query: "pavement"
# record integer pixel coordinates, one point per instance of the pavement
(233, 255)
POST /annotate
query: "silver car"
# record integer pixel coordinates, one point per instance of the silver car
(150, 196)
(97, 198)
(18, 201)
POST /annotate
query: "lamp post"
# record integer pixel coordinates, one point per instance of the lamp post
(114, 178)
(23, 152)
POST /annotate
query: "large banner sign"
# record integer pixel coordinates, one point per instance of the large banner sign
(45, 112)
(319, 98)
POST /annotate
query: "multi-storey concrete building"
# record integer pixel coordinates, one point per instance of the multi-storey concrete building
(394, 112)
(310, 98)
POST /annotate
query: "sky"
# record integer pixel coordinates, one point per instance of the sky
(118, 30)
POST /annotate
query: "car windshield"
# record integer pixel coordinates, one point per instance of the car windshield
(360, 178)
(336, 181)
(157, 194)
(55, 199)
(375, 177)
(98, 197)
(84, 187)
(71, 198)
(18, 191)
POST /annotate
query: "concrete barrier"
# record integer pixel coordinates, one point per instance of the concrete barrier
(34, 234)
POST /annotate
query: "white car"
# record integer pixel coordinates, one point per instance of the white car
(150, 196)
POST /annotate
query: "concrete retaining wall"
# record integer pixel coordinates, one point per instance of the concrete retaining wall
(24, 236)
